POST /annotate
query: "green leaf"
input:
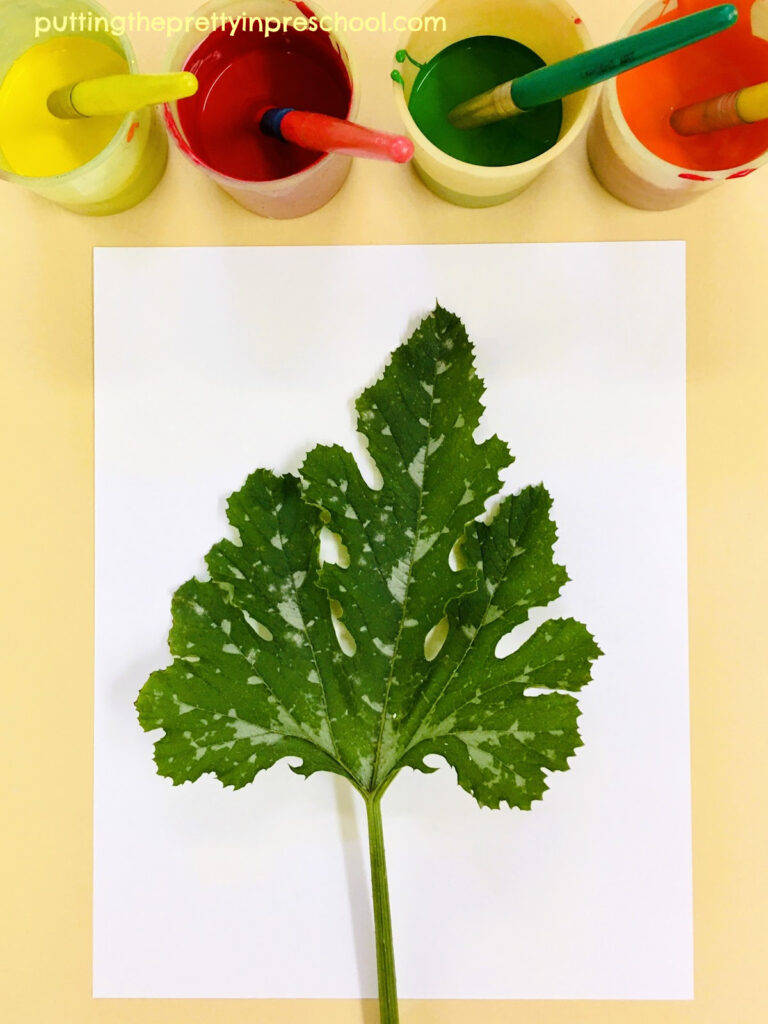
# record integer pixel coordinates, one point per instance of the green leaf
(334, 665)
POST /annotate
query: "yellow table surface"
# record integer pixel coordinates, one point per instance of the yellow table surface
(46, 518)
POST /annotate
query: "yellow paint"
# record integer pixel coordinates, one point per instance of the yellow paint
(752, 102)
(33, 142)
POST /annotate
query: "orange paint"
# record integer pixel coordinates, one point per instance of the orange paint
(725, 62)
(131, 131)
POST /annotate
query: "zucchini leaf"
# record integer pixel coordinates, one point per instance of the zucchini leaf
(369, 664)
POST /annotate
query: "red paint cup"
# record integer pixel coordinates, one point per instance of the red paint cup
(228, 47)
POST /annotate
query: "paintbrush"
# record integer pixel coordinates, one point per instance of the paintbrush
(119, 94)
(326, 134)
(579, 72)
(732, 108)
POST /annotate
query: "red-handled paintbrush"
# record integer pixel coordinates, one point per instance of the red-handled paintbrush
(327, 134)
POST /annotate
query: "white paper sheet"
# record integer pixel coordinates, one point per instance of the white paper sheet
(212, 362)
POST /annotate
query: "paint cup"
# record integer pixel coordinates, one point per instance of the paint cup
(268, 193)
(636, 154)
(132, 162)
(552, 29)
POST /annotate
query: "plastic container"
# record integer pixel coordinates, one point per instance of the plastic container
(624, 165)
(549, 27)
(296, 194)
(130, 166)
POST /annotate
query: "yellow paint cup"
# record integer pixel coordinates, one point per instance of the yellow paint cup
(552, 29)
(133, 158)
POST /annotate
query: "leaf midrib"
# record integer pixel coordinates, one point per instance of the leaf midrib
(375, 782)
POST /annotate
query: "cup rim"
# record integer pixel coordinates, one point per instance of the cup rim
(90, 165)
(611, 99)
(483, 171)
(246, 184)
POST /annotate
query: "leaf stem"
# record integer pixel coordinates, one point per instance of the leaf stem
(385, 952)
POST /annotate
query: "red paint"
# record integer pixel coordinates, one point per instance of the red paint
(577, 21)
(239, 75)
(725, 62)
(695, 177)
(131, 131)
(742, 174)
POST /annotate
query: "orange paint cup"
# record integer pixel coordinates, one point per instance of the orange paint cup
(633, 149)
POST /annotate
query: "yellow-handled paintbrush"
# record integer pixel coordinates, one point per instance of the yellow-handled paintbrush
(120, 94)
(732, 108)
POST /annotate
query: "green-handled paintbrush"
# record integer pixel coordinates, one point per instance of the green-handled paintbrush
(585, 69)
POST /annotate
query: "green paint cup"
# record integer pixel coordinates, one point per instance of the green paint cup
(552, 29)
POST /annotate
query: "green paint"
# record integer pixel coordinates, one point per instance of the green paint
(396, 77)
(403, 55)
(465, 69)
